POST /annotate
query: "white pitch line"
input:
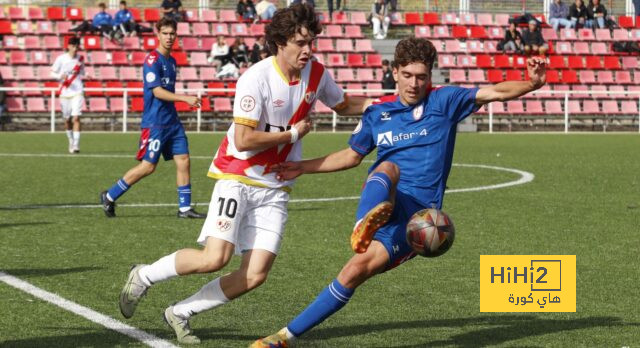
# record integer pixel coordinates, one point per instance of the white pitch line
(525, 177)
(80, 155)
(87, 313)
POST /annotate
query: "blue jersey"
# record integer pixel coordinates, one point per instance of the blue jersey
(418, 138)
(122, 16)
(158, 70)
(101, 18)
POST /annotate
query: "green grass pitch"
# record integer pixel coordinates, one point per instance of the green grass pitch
(584, 201)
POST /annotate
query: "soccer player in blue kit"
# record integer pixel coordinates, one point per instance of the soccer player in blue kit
(162, 132)
(415, 136)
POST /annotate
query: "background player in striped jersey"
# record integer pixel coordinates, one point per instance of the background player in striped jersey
(162, 132)
(414, 134)
(248, 208)
(69, 69)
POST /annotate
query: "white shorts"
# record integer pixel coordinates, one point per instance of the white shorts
(247, 216)
(72, 106)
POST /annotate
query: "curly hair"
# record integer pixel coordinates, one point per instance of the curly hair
(288, 21)
(415, 50)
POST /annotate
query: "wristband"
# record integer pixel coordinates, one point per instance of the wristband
(294, 134)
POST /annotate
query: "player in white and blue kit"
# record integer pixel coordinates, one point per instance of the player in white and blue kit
(415, 136)
(162, 132)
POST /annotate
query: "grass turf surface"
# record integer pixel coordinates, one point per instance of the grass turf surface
(585, 200)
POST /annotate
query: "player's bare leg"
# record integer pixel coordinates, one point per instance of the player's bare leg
(376, 204)
(357, 270)
(252, 273)
(184, 188)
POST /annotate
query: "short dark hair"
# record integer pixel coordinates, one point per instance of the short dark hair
(385, 62)
(74, 41)
(415, 50)
(166, 22)
(286, 22)
(102, 5)
(123, 3)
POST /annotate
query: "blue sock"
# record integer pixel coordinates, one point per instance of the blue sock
(117, 190)
(330, 300)
(184, 197)
(376, 190)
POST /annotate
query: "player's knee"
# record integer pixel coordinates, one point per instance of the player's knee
(212, 264)
(353, 273)
(391, 169)
(254, 280)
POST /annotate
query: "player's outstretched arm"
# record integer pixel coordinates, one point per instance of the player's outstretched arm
(247, 138)
(340, 160)
(353, 106)
(165, 95)
(513, 89)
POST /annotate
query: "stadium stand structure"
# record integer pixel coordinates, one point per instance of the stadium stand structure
(580, 60)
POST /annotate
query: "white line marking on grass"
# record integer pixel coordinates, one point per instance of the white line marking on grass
(79, 155)
(87, 313)
(525, 177)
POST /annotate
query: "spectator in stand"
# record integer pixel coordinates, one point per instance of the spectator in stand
(559, 15)
(246, 10)
(388, 82)
(512, 41)
(101, 23)
(265, 10)
(3, 99)
(173, 9)
(578, 14)
(533, 41)
(220, 53)
(310, 2)
(597, 14)
(124, 23)
(393, 3)
(258, 46)
(380, 19)
(330, 6)
(636, 6)
(238, 53)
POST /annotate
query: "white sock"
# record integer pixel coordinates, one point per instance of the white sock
(70, 135)
(76, 138)
(210, 296)
(290, 336)
(163, 269)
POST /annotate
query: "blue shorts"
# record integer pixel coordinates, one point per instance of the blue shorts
(393, 235)
(168, 141)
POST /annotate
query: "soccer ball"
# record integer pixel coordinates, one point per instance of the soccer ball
(430, 232)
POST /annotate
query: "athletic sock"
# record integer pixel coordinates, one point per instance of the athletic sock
(163, 269)
(376, 190)
(330, 300)
(70, 135)
(184, 197)
(208, 297)
(117, 190)
(76, 138)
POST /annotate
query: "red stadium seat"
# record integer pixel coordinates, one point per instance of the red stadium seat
(137, 58)
(635, 34)
(623, 77)
(586, 34)
(449, 18)
(514, 75)
(568, 34)
(563, 47)
(502, 19)
(91, 42)
(116, 104)
(534, 107)
(587, 77)
(149, 43)
(191, 15)
(496, 33)
(345, 75)
(31, 84)
(629, 63)
(228, 16)
(569, 77)
(239, 29)
(430, 18)
(447, 61)
(478, 32)
(498, 108)
(619, 34)
(485, 19)
(593, 62)
(209, 16)
(441, 32)
(495, 76)
(556, 62)
(629, 107)
(614, 88)
(39, 57)
(188, 74)
(553, 76)
(36, 105)
(359, 18)
(612, 63)
(119, 58)
(476, 76)
(576, 62)
(325, 45)
(515, 107)
(24, 28)
(484, 61)
(453, 46)
(93, 84)
(55, 13)
(130, 73)
(353, 32)
(137, 85)
(114, 84)
(152, 15)
(137, 104)
(333, 31)
(6, 72)
(74, 14)
(335, 60)
(364, 45)
(184, 29)
(459, 32)
(257, 29)
(108, 73)
(610, 107)
(215, 85)
(340, 17)
(502, 61)
(365, 75)
(222, 105)
(44, 73)
(549, 34)
(355, 60)
(181, 58)
(599, 48)
(603, 35)
(199, 59)
(201, 29)
(5, 27)
(412, 18)
(191, 44)
(581, 48)
(18, 58)
(44, 28)
(574, 107)
(468, 19)
(422, 31)
(344, 45)
(457, 76)
(25, 73)
(625, 22)
(35, 14)
(15, 105)
(374, 60)
(590, 107)
(605, 77)
(464, 61)
(231, 86)
(63, 27)
(130, 43)
(356, 86)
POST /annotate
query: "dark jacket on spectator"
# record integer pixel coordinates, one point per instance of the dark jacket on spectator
(592, 10)
(559, 10)
(175, 5)
(254, 57)
(509, 37)
(242, 8)
(387, 80)
(575, 12)
(532, 38)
